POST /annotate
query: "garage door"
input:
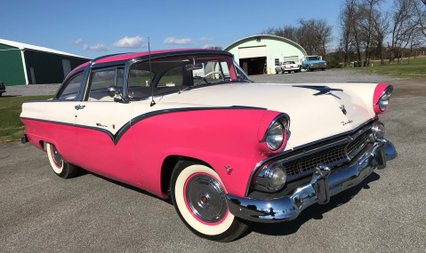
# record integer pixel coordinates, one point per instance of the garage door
(251, 52)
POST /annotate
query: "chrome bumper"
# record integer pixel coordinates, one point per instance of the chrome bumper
(324, 184)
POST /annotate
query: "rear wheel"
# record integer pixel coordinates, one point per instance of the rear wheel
(199, 198)
(59, 166)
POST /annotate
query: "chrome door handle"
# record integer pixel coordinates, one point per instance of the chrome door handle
(100, 125)
(79, 107)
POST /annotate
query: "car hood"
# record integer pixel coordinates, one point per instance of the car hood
(313, 117)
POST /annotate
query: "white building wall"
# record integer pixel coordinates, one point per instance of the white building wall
(271, 47)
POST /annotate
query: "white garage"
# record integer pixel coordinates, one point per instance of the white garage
(258, 54)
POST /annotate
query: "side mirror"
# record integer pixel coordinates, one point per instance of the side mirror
(112, 91)
(115, 92)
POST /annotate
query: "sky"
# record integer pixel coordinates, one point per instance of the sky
(96, 28)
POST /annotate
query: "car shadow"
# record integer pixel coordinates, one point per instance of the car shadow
(282, 228)
(313, 212)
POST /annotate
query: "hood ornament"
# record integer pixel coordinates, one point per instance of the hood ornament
(343, 109)
(322, 90)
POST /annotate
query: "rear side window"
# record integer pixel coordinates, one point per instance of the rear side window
(71, 88)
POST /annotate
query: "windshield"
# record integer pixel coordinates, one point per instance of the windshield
(174, 74)
(314, 58)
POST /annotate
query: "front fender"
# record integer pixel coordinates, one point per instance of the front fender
(226, 139)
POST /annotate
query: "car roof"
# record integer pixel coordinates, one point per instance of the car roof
(121, 58)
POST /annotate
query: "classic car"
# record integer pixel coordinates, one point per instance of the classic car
(290, 66)
(314, 62)
(188, 125)
(2, 88)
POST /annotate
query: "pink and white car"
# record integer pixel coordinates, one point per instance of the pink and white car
(189, 125)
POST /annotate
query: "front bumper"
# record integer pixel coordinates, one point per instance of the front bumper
(290, 68)
(323, 184)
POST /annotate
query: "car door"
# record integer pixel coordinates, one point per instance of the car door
(100, 118)
(62, 111)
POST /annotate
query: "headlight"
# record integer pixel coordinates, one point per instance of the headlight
(382, 95)
(271, 178)
(384, 98)
(276, 134)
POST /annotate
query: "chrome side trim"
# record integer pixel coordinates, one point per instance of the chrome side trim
(321, 187)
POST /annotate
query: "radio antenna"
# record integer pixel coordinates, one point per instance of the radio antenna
(150, 71)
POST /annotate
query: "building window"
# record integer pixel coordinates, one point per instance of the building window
(277, 61)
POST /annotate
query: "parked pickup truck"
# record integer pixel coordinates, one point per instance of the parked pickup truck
(313, 62)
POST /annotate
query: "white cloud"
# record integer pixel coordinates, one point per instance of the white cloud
(96, 48)
(129, 42)
(78, 41)
(177, 41)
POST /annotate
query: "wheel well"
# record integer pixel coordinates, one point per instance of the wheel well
(169, 165)
(42, 145)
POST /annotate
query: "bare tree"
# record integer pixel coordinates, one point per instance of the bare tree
(404, 25)
(368, 15)
(352, 37)
(347, 17)
(313, 35)
(288, 31)
(420, 14)
(380, 28)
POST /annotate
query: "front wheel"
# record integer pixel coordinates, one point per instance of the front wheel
(199, 198)
(59, 166)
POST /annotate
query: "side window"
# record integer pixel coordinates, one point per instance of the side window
(72, 88)
(241, 75)
(225, 69)
(101, 80)
(214, 72)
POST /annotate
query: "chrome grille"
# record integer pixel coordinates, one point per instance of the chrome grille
(333, 157)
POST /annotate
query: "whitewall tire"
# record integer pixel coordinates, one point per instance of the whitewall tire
(57, 163)
(199, 198)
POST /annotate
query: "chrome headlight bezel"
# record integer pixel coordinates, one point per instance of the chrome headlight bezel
(277, 133)
(378, 129)
(384, 98)
(271, 178)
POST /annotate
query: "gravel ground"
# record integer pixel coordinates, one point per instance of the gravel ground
(31, 90)
(41, 212)
(309, 77)
(331, 76)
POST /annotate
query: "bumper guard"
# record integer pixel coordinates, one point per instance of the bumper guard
(324, 184)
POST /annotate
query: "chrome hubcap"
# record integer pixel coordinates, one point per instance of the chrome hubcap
(205, 198)
(57, 157)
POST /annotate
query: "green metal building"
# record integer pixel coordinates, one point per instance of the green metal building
(259, 54)
(22, 63)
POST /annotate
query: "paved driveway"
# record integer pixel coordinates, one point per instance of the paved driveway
(40, 212)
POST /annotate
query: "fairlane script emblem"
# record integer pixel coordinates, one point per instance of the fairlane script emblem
(342, 107)
(344, 123)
